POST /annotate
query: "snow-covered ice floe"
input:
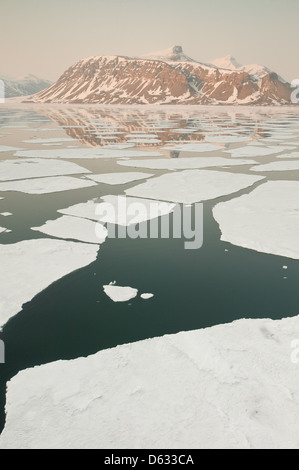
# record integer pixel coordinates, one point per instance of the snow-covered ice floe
(6, 214)
(184, 163)
(227, 139)
(199, 147)
(266, 220)
(120, 293)
(95, 152)
(43, 262)
(54, 140)
(289, 155)
(283, 165)
(119, 178)
(2, 229)
(5, 148)
(116, 210)
(146, 296)
(255, 151)
(35, 168)
(229, 386)
(46, 185)
(74, 228)
(191, 186)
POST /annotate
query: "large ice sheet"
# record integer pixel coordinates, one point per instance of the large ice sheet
(74, 228)
(95, 152)
(28, 267)
(119, 178)
(46, 185)
(120, 210)
(265, 220)
(230, 386)
(35, 168)
(192, 186)
(184, 163)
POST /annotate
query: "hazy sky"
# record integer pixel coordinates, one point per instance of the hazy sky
(45, 37)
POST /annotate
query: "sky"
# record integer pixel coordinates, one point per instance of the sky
(45, 37)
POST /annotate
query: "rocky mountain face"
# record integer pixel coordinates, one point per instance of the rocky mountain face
(24, 86)
(165, 77)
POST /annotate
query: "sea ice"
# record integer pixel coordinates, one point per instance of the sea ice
(232, 386)
(94, 152)
(46, 185)
(199, 147)
(119, 178)
(283, 165)
(254, 151)
(146, 296)
(120, 210)
(39, 262)
(120, 294)
(34, 168)
(192, 186)
(184, 163)
(74, 228)
(266, 220)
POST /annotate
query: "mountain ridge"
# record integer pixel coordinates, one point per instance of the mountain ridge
(165, 77)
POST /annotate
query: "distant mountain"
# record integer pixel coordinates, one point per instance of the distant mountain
(28, 85)
(165, 77)
(230, 63)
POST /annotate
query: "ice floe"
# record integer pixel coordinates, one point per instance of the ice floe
(5, 148)
(34, 168)
(184, 163)
(289, 155)
(229, 386)
(266, 220)
(283, 165)
(119, 293)
(54, 140)
(120, 210)
(94, 152)
(255, 151)
(42, 262)
(146, 296)
(74, 228)
(227, 139)
(6, 214)
(192, 186)
(199, 147)
(46, 185)
(119, 178)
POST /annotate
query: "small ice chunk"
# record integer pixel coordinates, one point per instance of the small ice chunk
(119, 293)
(146, 296)
(6, 214)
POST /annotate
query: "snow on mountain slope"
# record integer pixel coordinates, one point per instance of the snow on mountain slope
(230, 63)
(164, 77)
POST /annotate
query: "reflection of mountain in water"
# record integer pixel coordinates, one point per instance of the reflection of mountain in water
(111, 126)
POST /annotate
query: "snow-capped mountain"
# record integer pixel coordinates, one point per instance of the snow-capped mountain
(230, 63)
(165, 77)
(23, 86)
